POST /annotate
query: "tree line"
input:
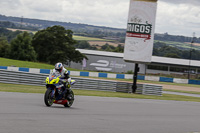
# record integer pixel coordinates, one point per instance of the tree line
(105, 47)
(159, 49)
(55, 44)
(163, 50)
(9, 35)
(86, 30)
(50, 45)
(90, 30)
(175, 38)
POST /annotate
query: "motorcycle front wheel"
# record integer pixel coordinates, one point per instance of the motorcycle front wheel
(47, 98)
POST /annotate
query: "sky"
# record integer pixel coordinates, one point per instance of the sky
(176, 17)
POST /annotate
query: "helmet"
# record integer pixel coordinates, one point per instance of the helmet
(59, 66)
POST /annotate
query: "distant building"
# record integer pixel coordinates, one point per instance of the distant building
(113, 62)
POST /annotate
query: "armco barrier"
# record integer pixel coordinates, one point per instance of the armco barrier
(19, 77)
(184, 81)
(194, 82)
(104, 75)
(27, 78)
(164, 79)
(148, 89)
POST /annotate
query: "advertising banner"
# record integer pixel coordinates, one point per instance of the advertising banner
(140, 31)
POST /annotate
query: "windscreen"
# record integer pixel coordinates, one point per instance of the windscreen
(54, 74)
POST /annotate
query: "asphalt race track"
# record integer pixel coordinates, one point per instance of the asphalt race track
(27, 113)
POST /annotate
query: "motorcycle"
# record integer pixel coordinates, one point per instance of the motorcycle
(57, 92)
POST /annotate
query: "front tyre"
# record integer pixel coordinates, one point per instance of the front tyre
(71, 100)
(47, 98)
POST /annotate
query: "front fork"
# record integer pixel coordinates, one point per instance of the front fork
(67, 87)
(53, 93)
(66, 90)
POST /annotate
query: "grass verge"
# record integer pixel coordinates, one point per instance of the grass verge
(41, 89)
(189, 92)
(17, 63)
(169, 83)
(27, 64)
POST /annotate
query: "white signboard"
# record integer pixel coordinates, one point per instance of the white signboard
(105, 65)
(140, 31)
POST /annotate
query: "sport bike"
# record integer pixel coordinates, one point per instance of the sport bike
(57, 91)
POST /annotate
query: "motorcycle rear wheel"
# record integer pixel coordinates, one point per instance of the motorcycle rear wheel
(70, 102)
(47, 98)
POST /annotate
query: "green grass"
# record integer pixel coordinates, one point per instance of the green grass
(27, 64)
(82, 38)
(138, 96)
(189, 92)
(173, 43)
(168, 83)
(41, 89)
(22, 88)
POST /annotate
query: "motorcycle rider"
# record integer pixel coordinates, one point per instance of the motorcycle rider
(65, 76)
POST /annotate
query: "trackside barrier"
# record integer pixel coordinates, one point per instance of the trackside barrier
(147, 89)
(103, 75)
(27, 78)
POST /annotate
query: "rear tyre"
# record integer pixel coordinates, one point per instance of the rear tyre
(47, 98)
(71, 100)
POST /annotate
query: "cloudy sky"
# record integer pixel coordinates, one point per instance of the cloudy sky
(177, 17)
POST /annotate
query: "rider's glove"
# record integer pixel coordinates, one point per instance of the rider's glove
(64, 81)
(69, 80)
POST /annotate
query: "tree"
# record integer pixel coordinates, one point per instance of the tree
(9, 34)
(55, 44)
(119, 49)
(22, 49)
(84, 45)
(4, 47)
(171, 55)
(107, 47)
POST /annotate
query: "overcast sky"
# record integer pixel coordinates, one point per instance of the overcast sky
(177, 17)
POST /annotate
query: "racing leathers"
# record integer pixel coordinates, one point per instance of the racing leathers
(66, 80)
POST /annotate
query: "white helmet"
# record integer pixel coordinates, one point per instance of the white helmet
(59, 66)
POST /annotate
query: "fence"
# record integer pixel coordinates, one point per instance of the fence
(27, 78)
(103, 75)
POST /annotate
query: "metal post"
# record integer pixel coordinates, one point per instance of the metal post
(168, 69)
(145, 69)
(190, 55)
(134, 87)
